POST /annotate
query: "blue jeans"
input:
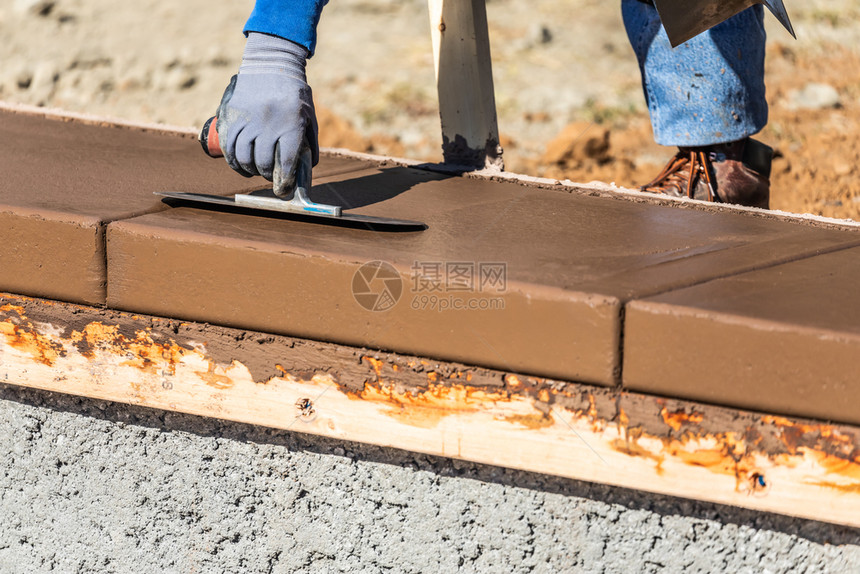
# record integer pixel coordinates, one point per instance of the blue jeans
(709, 89)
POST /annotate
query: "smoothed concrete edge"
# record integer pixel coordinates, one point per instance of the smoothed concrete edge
(95, 120)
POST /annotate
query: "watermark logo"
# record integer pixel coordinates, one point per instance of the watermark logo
(434, 286)
(377, 286)
(463, 276)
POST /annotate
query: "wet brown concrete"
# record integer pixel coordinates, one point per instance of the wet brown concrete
(571, 261)
(61, 182)
(784, 339)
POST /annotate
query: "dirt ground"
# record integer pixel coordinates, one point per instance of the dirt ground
(569, 101)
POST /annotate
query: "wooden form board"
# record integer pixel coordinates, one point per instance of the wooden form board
(464, 80)
(768, 463)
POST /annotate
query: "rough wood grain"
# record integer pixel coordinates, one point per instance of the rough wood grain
(464, 80)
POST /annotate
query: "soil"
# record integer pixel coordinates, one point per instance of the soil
(563, 71)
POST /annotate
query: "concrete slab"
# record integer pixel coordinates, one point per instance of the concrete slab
(784, 340)
(569, 260)
(61, 182)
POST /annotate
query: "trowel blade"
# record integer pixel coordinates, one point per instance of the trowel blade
(684, 19)
(351, 219)
(778, 10)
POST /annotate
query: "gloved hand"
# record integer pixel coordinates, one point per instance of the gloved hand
(267, 112)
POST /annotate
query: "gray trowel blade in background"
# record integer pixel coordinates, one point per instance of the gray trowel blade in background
(684, 19)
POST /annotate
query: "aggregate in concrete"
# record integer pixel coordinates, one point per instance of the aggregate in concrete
(90, 486)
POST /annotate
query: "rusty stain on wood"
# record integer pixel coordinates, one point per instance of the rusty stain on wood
(213, 378)
(140, 352)
(426, 407)
(676, 419)
(23, 335)
(726, 453)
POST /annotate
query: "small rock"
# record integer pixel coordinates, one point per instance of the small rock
(537, 117)
(24, 79)
(539, 34)
(831, 202)
(842, 168)
(174, 78)
(813, 96)
(38, 7)
(45, 75)
(217, 57)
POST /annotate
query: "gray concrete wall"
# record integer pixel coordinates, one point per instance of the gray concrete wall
(91, 486)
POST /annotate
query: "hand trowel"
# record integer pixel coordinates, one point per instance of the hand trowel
(684, 19)
(297, 203)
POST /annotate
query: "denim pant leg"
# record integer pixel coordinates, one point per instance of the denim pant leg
(708, 90)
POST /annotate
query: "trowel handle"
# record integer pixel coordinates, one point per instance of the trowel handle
(304, 168)
(208, 138)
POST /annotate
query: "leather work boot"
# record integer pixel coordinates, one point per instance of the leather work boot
(736, 172)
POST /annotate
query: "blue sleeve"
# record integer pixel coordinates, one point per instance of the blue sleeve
(294, 20)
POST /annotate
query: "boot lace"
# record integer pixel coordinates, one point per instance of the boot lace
(683, 173)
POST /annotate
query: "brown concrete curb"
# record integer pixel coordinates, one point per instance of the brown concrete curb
(572, 260)
(63, 182)
(783, 339)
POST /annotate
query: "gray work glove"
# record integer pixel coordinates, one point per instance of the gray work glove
(267, 112)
